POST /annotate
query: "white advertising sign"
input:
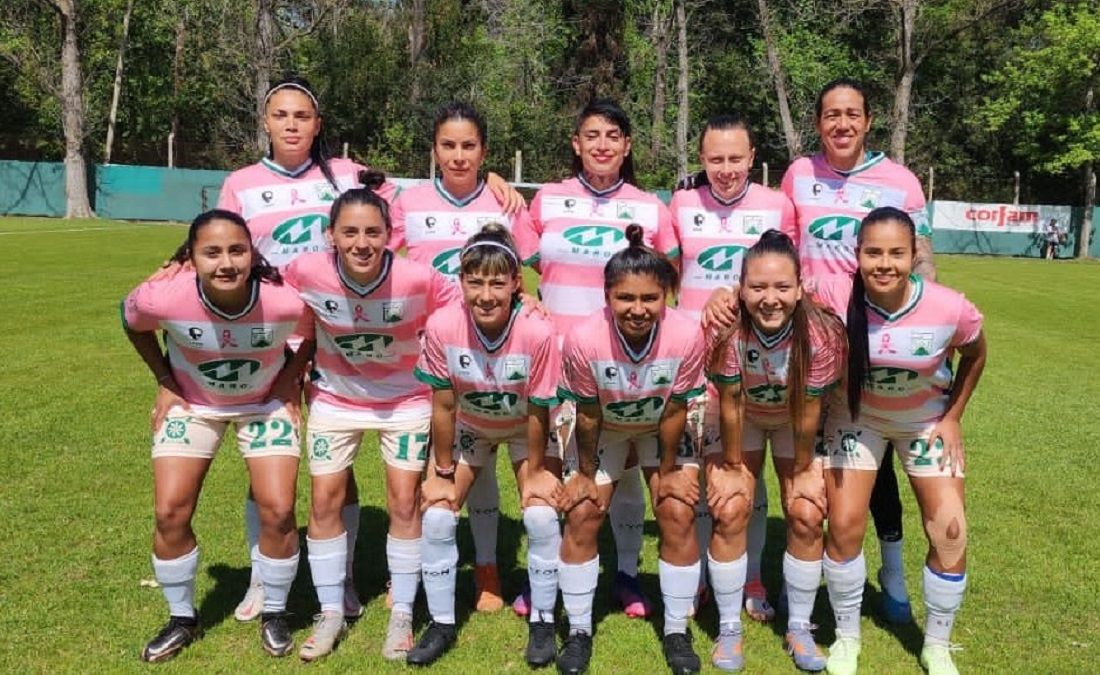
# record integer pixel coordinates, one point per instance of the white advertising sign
(1015, 218)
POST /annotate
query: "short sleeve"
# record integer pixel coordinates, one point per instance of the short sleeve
(227, 197)
(689, 381)
(527, 231)
(578, 383)
(389, 192)
(139, 308)
(431, 367)
(969, 324)
(545, 373)
(397, 222)
(788, 221)
(825, 363)
(786, 186)
(442, 291)
(728, 364)
(674, 216)
(668, 242)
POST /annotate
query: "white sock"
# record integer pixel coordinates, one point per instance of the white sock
(277, 574)
(328, 567)
(252, 534)
(543, 544)
(177, 581)
(578, 588)
(757, 534)
(943, 595)
(678, 586)
(803, 578)
(403, 560)
(483, 510)
(893, 569)
(704, 527)
(845, 581)
(627, 515)
(439, 562)
(727, 580)
(350, 515)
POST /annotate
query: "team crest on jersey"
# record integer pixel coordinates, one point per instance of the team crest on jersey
(660, 375)
(262, 337)
(752, 224)
(392, 312)
(870, 198)
(324, 192)
(920, 343)
(514, 369)
(624, 210)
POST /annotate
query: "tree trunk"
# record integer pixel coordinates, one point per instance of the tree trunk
(1090, 189)
(177, 77)
(417, 33)
(775, 65)
(906, 16)
(264, 55)
(72, 112)
(660, 37)
(682, 89)
(117, 89)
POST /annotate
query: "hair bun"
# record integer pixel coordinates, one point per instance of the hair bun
(635, 235)
(372, 179)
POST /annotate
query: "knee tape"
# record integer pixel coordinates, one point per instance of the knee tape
(439, 524)
(947, 532)
(541, 523)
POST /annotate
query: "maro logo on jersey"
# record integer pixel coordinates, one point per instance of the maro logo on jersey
(834, 228)
(890, 380)
(448, 262)
(593, 236)
(359, 345)
(229, 373)
(299, 230)
(637, 410)
(724, 258)
(492, 402)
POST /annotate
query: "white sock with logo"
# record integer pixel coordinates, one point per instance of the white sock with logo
(439, 562)
(727, 580)
(483, 510)
(678, 586)
(328, 567)
(277, 574)
(803, 578)
(543, 544)
(627, 516)
(845, 581)
(403, 560)
(176, 577)
(943, 595)
(578, 588)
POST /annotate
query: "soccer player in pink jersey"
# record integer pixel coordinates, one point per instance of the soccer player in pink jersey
(631, 368)
(716, 221)
(782, 343)
(903, 332)
(226, 322)
(494, 372)
(433, 221)
(575, 227)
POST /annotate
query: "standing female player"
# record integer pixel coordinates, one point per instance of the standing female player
(576, 226)
(369, 307)
(631, 368)
(226, 323)
(494, 373)
(902, 390)
(772, 373)
(433, 221)
(716, 222)
(831, 191)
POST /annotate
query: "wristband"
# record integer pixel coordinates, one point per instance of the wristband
(448, 472)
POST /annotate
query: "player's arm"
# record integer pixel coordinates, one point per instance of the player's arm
(949, 429)
(730, 418)
(148, 348)
(589, 423)
(509, 198)
(443, 429)
(670, 430)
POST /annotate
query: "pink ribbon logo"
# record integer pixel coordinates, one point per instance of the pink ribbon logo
(227, 339)
(456, 227)
(360, 314)
(724, 224)
(632, 380)
(294, 198)
(884, 345)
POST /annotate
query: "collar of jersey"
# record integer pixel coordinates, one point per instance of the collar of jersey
(636, 356)
(289, 173)
(493, 345)
(869, 159)
(455, 201)
(358, 288)
(736, 198)
(772, 341)
(916, 290)
(599, 193)
(253, 296)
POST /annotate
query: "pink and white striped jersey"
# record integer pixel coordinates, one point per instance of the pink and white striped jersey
(494, 381)
(368, 337)
(219, 360)
(910, 350)
(761, 367)
(632, 388)
(714, 235)
(434, 225)
(574, 230)
(830, 204)
(287, 211)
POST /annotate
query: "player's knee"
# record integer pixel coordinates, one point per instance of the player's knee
(541, 523)
(584, 517)
(946, 531)
(846, 528)
(733, 516)
(172, 517)
(439, 524)
(675, 513)
(805, 519)
(277, 515)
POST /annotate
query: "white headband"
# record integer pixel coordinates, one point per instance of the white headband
(293, 85)
(494, 244)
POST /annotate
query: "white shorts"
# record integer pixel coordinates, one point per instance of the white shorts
(614, 446)
(861, 447)
(332, 445)
(259, 434)
(476, 450)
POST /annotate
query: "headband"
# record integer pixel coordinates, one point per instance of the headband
(493, 244)
(293, 85)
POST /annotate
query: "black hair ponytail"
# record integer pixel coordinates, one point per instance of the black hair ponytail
(371, 179)
(637, 258)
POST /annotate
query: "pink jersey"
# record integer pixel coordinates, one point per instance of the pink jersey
(368, 336)
(910, 351)
(434, 225)
(714, 234)
(218, 360)
(761, 367)
(493, 381)
(830, 205)
(287, 211)
(571, 234)
(632, 388)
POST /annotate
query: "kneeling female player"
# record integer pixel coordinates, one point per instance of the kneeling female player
(494, 372)
(631, 368)
(902, 334)
(226, 322)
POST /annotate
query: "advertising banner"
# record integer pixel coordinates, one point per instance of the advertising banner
(1007, 218)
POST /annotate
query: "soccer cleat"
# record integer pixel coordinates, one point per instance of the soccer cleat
(936, 659)
(521, 605)
(487, 598)
(575, 653)
(252, 604)
(756, 602)
(728, 654)
(436, 640)
(541, 644)
(179, 632)
(353, 609)
(894, 610)
(399, 637)
(328, 629)
(843, 656)
(679, 655)
(629, 596)
(275, 633)
(803, 649)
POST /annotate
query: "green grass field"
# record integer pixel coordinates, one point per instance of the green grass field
(76, 507)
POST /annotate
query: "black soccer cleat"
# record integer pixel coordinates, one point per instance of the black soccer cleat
(179, 632)
(541, 645)
(275, 633)
(679, 655)
(436, 640)
(575, 654)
